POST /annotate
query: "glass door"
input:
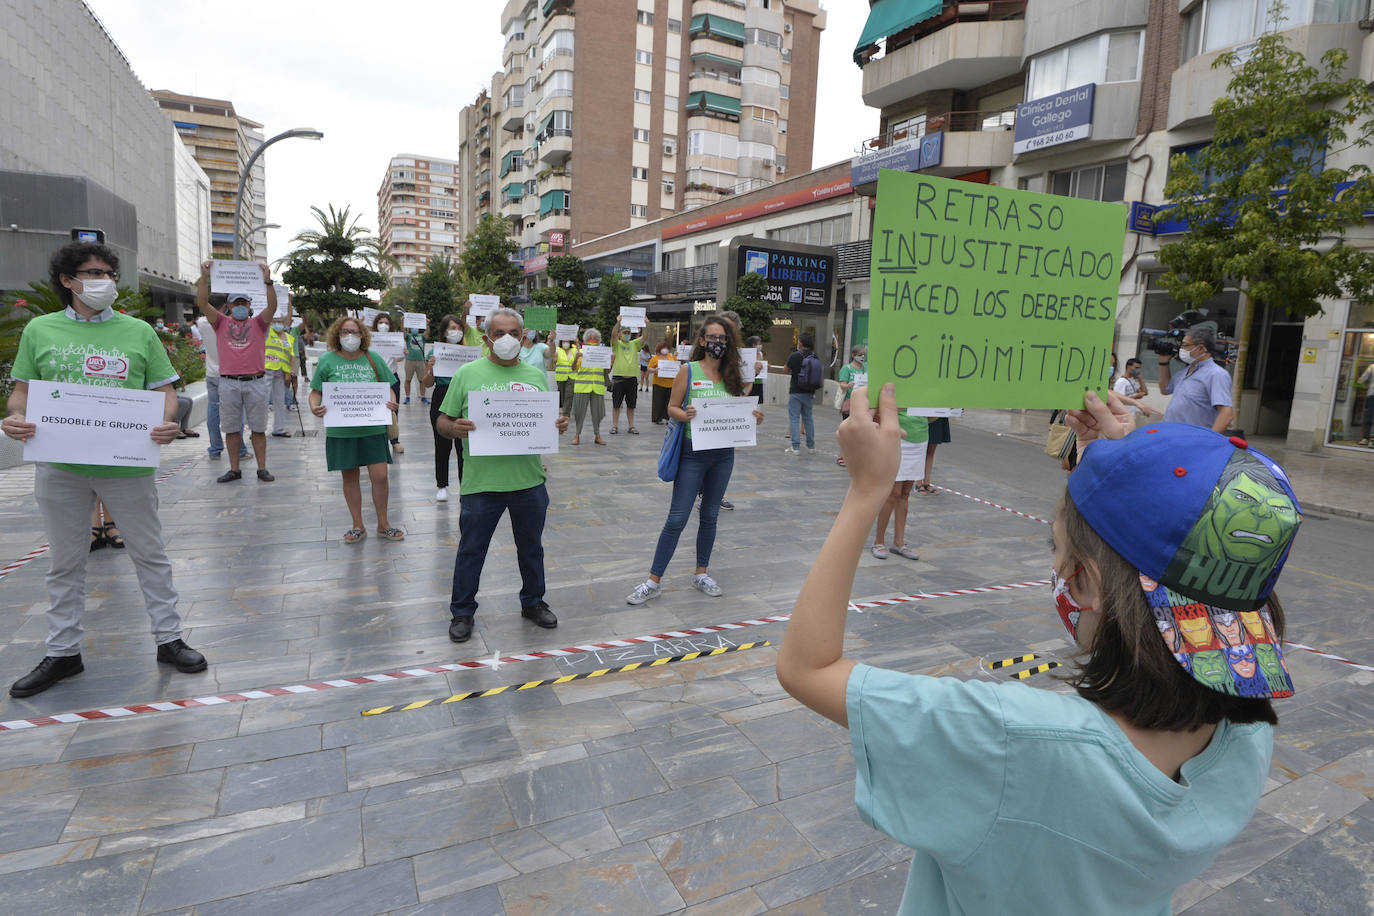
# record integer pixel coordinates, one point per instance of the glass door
(1352, 413)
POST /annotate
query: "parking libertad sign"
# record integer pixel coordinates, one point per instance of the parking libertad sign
(801, 278)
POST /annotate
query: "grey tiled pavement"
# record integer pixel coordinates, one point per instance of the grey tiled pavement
(696, 787)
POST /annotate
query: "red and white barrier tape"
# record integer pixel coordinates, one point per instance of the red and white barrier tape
(1034, 518)
(1334, 658)
(43, 548)
(952, 593)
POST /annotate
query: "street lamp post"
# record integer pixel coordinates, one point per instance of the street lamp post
(308, 133)
(248, 233)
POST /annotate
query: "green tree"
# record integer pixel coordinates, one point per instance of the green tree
(567, 291)
(755, 312)
(1260, 202)
(615, 292)
(486, 259)
(439, 289)
(399, 298)
(333, 266)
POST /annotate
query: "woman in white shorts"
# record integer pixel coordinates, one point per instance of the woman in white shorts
(912, 469)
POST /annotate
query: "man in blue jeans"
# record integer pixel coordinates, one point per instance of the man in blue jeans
(800, 400)
(493, 485)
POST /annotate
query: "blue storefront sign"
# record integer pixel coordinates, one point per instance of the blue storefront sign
(908, 155)
(1158, 219)
(1055, 119)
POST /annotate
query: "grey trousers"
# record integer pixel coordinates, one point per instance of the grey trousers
(65, 501)
(597, 402)
(276, 379)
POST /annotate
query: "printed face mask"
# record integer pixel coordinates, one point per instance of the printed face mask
(1069, 610)
(506, 347)
(240, 312)
(350, 342)
(98, 294)
(716, 348)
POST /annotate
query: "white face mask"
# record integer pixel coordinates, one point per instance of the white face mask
(1187, 356)
(278, 326)
(453, 336)
(350, 342)
(98, 294)
(383, 327)
(506, 347)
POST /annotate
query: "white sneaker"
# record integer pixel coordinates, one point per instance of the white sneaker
(790, 451)
(706, 585)
(643, 592)
(442, 495)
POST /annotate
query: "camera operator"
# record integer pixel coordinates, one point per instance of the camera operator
(1202, 395)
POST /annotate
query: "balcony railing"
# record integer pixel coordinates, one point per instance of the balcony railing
(954, 11)
(718, 77)
(684, 281)
(953, 121)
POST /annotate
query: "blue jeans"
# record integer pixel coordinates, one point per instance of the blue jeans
(799, 408)
(212, 414)
(478, 515)
(705, 472)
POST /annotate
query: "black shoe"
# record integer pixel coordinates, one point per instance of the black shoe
(726, 504)
(229, 476)
(540, 615)
(461, 629)
(186, 659)
(264, 474)
(50, 670)
(282, 435)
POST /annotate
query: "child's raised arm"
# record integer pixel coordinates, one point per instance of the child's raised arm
(810, 664)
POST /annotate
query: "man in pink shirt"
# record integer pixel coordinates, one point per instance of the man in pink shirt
(243, 387)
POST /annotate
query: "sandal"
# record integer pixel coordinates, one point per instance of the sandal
(354, 535)
(189, 434)
(391, 534)
(114, 540)
(97, 537)
(576, 440)
(926, 489)
(614, 431)
(840, 462)
(599, 441)
(632, 431)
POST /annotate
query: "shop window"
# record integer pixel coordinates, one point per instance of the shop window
(1352, 408)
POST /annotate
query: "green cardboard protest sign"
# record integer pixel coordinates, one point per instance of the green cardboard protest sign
(539, 318)
(982, 296)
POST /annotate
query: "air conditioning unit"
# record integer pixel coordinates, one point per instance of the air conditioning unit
(669, 147)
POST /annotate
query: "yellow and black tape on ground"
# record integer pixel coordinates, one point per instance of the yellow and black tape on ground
(1022, 659)
(554, 681)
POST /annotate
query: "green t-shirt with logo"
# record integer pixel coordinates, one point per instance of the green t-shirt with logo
(699, 386)
(494, 473)
(334, 367)
(121, 352)
(626, 361)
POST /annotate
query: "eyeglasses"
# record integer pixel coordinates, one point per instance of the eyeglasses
(715, 338)
(497, 335)
(98, 274)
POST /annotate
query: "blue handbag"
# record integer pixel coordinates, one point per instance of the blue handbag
(671, 452)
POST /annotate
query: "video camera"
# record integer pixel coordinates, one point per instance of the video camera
(1166, 343)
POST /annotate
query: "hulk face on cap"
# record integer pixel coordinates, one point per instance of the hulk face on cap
(1249, 522)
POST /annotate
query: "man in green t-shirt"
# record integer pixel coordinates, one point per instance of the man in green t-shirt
(624, 377)
(91, 344)
(415, 362)
(495, 484)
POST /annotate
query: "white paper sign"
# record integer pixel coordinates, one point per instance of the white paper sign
(237, 277)
(96, 425)
(684, 352)
(448, 357)
(356, 403)
(668, 368)
(724, 423)
(472, 320)
(389, 344)
(513, 422)
(370, 315)
(860, 380)
(934, 411)
(565, 332)
(632, 316)
(747, 357)
(481, 305)
(415, 320)
(283, 298)
(597, 357)
(763, 370)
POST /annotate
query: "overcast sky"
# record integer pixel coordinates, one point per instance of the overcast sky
(379, 79)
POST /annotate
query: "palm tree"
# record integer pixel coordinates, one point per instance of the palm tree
(339, 237)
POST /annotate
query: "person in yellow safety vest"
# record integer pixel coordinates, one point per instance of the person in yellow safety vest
(589, 389)
(280, 351)
(563, 357)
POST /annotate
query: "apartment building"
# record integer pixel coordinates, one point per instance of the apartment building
(962, 86)
(417, 213)
(649, 108)
(222, 142)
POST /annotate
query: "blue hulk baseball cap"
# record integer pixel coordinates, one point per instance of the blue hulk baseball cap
(1208, 522)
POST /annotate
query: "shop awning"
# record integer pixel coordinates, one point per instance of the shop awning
(552, 200)
(713, 101)
(888, 17)
(718, 26)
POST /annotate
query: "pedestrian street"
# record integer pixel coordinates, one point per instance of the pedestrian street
(696, 785)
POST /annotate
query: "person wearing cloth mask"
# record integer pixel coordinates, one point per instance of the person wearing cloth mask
(851, 374)
(1202, 395)
(589, 391)
(241, 341)
(562, 361)
(662, 386)
(625, 377)
(1132, 388)
(349, 448)
(451, 331)
(383, 324)
(280, 362)
(714, 372)
(60, 347)
(1108, 798)
(494, 485)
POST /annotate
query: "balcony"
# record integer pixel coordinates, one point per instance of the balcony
(966, 46)
(708, 81)
(553, 220)
(969, 141)
(513, 118)
(712, 49)
(556, 145)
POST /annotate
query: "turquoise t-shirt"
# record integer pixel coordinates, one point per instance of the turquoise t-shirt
(120, 352)
(494, 473)
(333, 367)
(700, 386)
(415, 344)
(1024, 800)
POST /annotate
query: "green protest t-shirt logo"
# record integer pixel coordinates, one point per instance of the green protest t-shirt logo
(1244, 531)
